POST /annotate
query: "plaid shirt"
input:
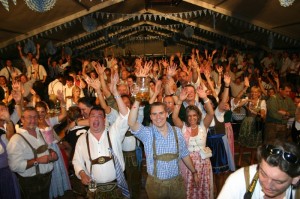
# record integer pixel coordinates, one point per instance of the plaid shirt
(165, 170)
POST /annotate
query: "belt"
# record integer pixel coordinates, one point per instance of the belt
(101, 160)
(165, 181)
(129, 153)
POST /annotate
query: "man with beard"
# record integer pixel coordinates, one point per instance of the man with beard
(275, 176)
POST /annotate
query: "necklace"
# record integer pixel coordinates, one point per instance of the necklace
(194, 127)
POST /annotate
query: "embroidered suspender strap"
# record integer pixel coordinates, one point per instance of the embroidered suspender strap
(166, 156)
(251, 187)
(88, 148)
(101, 159)
(110, 146)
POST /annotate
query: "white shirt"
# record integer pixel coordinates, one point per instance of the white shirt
(19, 152)
(101, 172)
(235, 186)
(41, 72)
(54, 86)
(8, 72)
(129, 143)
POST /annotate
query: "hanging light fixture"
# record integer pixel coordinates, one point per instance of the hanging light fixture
(40, 5)
(286, 3)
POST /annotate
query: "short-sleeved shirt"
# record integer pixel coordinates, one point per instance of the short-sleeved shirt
(165, 170)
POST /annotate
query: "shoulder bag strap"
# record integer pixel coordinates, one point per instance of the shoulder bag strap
(251, 187)
(8, 74)
(247, 176)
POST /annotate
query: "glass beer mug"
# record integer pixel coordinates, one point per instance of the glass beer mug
(143, 86)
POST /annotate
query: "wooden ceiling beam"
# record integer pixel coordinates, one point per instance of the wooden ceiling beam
(177, 31)
(112, 34)
(209, 29)
(58, 22)
(229, 13)
(101, 27)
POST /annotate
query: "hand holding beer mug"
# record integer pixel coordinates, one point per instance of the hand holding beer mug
(142, 83)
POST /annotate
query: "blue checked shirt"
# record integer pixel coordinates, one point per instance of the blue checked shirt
(165, 170)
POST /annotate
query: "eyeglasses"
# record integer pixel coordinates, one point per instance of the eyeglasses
(289, 157)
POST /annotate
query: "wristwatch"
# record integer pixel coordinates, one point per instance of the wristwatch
(35, 163)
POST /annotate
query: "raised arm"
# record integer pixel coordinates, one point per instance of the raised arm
(20, 51)
(133, 115)
(84, 65)
(63, 110)
(95, 84)
(242, 92)
(178, 101)
(100, 70)
(207, 105)
(121, 105)
(225, 94)
(37, 56)
(195, 67)
(157, 91)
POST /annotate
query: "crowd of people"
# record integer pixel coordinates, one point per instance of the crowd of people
(88, 127)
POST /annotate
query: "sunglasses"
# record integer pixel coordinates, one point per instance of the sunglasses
(287, 156)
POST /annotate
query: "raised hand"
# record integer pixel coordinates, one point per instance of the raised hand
(183, 95)
(60, 96)
(171, 70)
(219, 69)
(246, 82)
(201, 92)
(227, 79)
(99, 69)
(85, 63)
(95, 84)
(113, 85)
(158, 86)
(165, 63)
(144, 72)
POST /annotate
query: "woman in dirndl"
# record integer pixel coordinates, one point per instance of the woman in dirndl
(250, 135)
(195, 134)
(60, 180)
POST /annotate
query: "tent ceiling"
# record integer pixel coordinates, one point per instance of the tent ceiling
(215, 22)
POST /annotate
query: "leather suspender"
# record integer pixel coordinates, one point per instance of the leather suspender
(166, 156)
(37, 151)
(101, 159)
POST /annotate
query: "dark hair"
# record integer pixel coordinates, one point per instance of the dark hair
(212, 99)
(69, 78)
(284, 84)
(191, 86)
(192, 108)
(42, 105)
(98, 108)
(28, 108)
(293, 170)
(127, 96)
(133, 77)
(157, 104)
(86, 101)
(4, 78)
(74, 113)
